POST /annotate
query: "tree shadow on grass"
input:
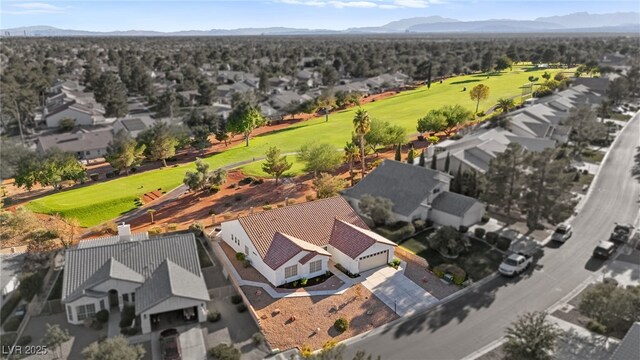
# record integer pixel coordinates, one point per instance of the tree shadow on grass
(463, 82)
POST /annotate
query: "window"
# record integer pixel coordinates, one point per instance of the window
(101, 304)
(86, 311)
(125, 297)
(315, 266)
(133, 297)
(290, 271)
(69, 313)
(246, 250)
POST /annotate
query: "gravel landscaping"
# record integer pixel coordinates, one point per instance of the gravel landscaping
(292, 322)
(424, 278)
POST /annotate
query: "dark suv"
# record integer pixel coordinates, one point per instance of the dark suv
(621, 233)
(170, 345)
(604, 250)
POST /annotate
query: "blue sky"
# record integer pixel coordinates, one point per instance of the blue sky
(102, 15)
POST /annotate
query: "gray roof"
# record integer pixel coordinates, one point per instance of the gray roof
(133, 124)
(168, 280)
(85, 266)
(452, 203)
(404, 184)
(81, 141)
(629, 348)
(110, 240)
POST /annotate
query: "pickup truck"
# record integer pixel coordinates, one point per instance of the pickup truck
(515, 264)
(621, 233)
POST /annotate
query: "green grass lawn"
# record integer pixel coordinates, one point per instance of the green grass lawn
(97, 203)
(255, 169)
(592, 156)
(480, 261)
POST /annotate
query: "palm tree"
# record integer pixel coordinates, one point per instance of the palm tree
(362, 125)
(351, 155)
(151, 212)
(505, 104)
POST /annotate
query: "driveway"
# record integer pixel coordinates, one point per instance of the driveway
(191, 343)
(397, 291)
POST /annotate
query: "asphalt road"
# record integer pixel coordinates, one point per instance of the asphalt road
(470, 322)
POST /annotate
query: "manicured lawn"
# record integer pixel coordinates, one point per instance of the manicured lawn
(255, 169)
(94, 204)
(480, 261)
(621, 117)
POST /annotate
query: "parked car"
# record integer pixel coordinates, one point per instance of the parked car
(515, 264)
(621, 233)
(604, 250)
(20, 311)
(563, 233)
(170, 345)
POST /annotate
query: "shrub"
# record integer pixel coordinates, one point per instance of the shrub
(10, 304)
(295, 284)
(172, 226)
(341, 324)
(246, 263)
(303, 281)
(7, 201)
(8, 339)
(479, 232)
(291, 201)
(133, 169)
(309, 197)
(24, 340)
(463, 229)
(241, 308)
(485, 218)
(12, 324)
(94, 177)
(610, 280)
(102, 316)
(110, 175)
(331, 344)
(127, 317)
(30, 285)
(503, 243)
(240, 256)
(480, 114)
(129, 331)
(596, 327)
(155, 230)
(258, 338)
(267, 207)
(491, 237)
(213, 316)
(236, 299)
(419, 225)
(395, 263)
(246, 181)
(196, 228)
(214, 189)
(238, 197)
(306, 351)
(212, 211)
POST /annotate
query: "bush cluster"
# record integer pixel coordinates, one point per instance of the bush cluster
(503, 243)
(236, 299)
(102, 316)
(213, 316)
(479, 232)
(341, 324)
(492, 237)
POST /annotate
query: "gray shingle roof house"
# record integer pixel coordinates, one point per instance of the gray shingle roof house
(417, 193)
(156, 275)
(629, 348)
(86, 145)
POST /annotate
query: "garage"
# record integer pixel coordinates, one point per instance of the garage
(374, 260)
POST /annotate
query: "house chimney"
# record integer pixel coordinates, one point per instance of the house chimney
(124, 232)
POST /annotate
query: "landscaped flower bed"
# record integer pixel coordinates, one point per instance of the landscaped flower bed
(302, 283)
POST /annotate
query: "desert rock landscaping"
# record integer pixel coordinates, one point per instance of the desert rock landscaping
(294, 321)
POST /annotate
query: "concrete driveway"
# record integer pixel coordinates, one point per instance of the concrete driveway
(191, 343)
(397, 291)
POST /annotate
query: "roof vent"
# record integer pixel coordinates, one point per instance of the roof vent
(124, 232)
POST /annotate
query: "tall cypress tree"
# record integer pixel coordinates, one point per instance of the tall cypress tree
(434, 161)
(429, 77)
(411, 155)
(421, 161)
(398, 153)
(447, 162)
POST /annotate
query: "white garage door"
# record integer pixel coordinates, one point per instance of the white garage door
(372, 261)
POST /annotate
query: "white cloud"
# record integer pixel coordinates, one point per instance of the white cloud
(33, 8)
(382, 4)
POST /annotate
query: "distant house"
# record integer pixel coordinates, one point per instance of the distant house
(281, 99)
(387, 81)
(417, 193)
(298, 241)
(82, 114)
(132, 126)
(159, 276)
(86, 145)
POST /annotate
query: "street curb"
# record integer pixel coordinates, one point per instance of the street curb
(485, 349)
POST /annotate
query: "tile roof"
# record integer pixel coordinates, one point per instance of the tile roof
(352, 240)
(311, 222)
(168, 280)
(629, 348)
(452, 203)
(404, 184)
(141, 257)
(284, 247)
(75, 142)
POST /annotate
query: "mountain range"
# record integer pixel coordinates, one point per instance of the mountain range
(621, 22)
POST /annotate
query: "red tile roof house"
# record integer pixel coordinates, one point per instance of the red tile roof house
(296, 241)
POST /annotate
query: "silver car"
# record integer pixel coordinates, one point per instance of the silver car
(562, 233)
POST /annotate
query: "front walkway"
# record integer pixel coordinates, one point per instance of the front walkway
(397, 291)
(113, 325)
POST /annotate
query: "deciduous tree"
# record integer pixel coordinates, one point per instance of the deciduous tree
(123, 152)
(275, 164)
(478, 93)
(244, 118)
(113, 348)
(54, 337)
(382, 133)
(379, 209)
(327, 186)
(319, 157)
(531, 337)
(434, 122)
